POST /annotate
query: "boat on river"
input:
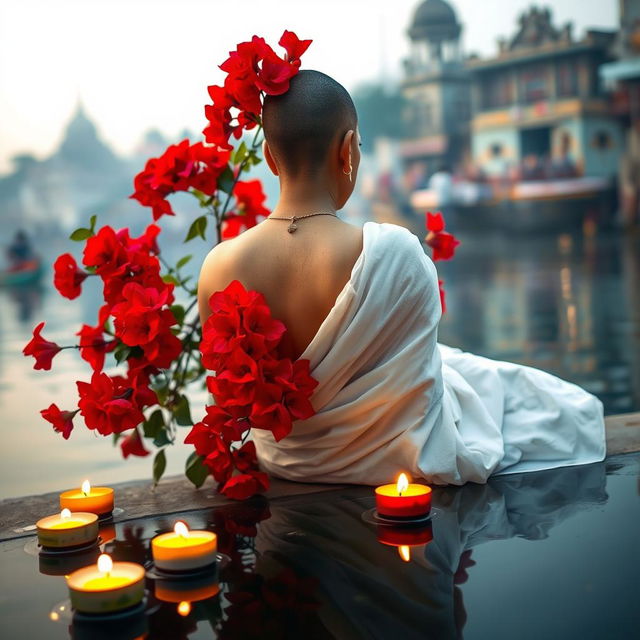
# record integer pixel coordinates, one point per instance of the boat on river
(27, 274)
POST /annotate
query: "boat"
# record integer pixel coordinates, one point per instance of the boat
(545, 206)
(29, 273)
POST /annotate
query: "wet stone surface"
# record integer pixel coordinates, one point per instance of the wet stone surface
(552, 554)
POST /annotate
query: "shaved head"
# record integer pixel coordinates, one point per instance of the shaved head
(301, 125)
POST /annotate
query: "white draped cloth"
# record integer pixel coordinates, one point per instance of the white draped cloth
(390, 398)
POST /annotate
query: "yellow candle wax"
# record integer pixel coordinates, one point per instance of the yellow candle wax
(67, 524)
(178, 542)
(105, 583)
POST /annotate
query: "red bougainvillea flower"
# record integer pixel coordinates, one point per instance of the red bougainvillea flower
(245, 485)
(62, 421)
(235, 384)
(275, 74)
(93, 346)
(219, 461)
(67, 277)
(181, 167)
(132, 445)
(294, 46)
(106, 253)
(443, 245)
(106, 406)
(163, 349)
(249, 207)
(435, 222)
(42, 350)
(141, 315)
(442, 296)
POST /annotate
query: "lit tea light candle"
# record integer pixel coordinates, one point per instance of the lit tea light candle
(403, 499)
(98, 500)
(67, 529)
(106, 586)
(184, 550)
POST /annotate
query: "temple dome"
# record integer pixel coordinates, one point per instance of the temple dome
(434, 20)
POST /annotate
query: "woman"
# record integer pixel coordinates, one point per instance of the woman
(363, 306)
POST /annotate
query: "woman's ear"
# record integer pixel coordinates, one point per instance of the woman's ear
(266, 152)
(346, 159)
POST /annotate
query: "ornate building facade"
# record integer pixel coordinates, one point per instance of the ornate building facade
(539, 108)
(436, 87)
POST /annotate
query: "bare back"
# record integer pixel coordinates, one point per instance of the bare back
(300, 274)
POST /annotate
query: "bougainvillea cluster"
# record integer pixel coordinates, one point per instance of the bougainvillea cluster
(153, 339)
(253, 387)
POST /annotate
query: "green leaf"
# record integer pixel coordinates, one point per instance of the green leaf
(162, 439)
(167, 278)
(178, 312)
(254, 158)
(116, 437)
(159, 465)
(182, 413)
(92, 223)
(183, 261)
(122, 353)
(197, 228)
(81, 234)
(226, 180)
(154, 424)
(196, 470)
(240, 153)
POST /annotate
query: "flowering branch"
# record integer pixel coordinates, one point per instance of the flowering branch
(154, 341)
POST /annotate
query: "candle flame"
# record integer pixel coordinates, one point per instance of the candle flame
(105, 564)
(65, 514)
(403, 483)
(184, 608)
(181, 529)
(405, 552)
(86, 487)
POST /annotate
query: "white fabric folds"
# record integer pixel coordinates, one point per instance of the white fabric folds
(391, 399)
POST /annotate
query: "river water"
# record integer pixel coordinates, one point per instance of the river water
(567, 304)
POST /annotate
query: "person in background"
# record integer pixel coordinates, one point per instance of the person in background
(20, 252)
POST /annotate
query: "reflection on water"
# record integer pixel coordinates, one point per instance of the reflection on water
(569, 305)
(565, 304)
(551, 554)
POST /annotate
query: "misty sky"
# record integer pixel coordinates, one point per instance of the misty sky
(138, 64)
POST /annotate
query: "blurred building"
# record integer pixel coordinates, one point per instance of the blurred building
(82, 177)
(539, 107)
(622, 77)
(531, 136)
(436, 86)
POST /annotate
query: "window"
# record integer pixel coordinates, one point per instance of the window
(533, 81)
(567, 78)
(496, 150)
(497, 91)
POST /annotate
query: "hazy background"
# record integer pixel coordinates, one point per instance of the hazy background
(138, 64)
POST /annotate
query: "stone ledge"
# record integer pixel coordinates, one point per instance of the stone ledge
(176, 494)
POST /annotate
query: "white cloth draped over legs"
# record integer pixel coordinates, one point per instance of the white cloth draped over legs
(391, 399)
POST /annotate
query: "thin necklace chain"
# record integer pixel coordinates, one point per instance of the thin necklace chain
(292, 219)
